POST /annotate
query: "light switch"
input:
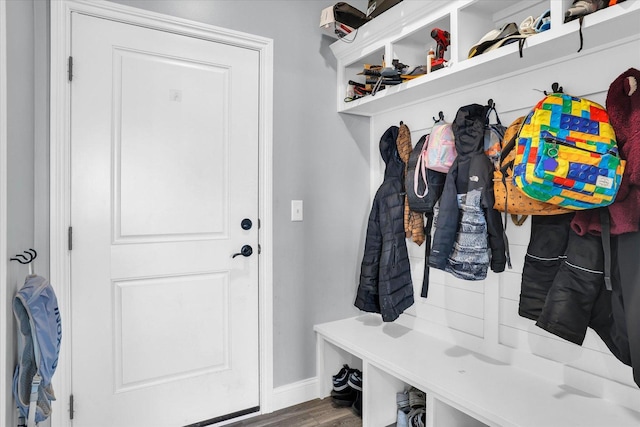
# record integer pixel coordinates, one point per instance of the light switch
(296, 210)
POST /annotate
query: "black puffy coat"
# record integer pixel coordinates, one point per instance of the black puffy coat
(385, 276)
(472, 170)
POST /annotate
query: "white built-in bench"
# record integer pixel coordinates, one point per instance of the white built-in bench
(463, 388)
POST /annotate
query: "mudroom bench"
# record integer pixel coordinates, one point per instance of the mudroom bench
(463, 388)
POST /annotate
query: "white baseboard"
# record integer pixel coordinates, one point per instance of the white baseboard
(294, 393)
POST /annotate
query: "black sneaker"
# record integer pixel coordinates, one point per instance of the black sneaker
(344, 398)
(357, 405)
(355, 382)
(342, 394)
(355, 379)
(341, 378)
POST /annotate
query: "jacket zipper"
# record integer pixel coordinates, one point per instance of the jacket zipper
(395, 255)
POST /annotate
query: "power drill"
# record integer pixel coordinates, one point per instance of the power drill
(442, 38)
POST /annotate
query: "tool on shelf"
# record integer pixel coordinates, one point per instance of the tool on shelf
(443, 40)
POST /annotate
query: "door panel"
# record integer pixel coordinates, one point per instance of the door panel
(164, 156)
(150, 107)
(199, 337)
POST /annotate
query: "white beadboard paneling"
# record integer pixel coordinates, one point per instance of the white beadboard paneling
(455, 299)
(550, 347)
(510, 285)
(517, 253)
(416, 253)
(449, 318)
(469, 285)
(517, 234)
(509, 317)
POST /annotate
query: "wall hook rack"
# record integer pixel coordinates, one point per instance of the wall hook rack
(31, 255)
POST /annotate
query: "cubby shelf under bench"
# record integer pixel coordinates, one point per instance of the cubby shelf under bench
(463, 388)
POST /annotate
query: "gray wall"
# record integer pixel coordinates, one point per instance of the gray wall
(320, 157)
(20, 165)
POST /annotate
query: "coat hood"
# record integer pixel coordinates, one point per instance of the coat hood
(468, 129)
(389, 153)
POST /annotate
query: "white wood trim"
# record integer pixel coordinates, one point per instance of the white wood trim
(5, 414)
(60, 171)
(265, 236)
(295, 393)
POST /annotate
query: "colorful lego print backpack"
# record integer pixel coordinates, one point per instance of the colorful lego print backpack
(567, 155)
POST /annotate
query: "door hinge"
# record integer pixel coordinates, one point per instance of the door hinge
(70, 68)
(71, 407)
(70, 236)
(259, 249)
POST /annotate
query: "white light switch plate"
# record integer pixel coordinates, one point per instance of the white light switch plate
(296, 210)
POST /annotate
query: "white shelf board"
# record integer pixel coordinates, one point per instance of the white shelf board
(601, 29)
(489, 390)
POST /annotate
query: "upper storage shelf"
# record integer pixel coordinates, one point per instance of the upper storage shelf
(404, 33)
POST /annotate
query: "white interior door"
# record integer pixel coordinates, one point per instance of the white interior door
(164, 167)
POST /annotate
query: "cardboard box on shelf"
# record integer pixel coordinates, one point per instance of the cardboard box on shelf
(332, 27)
(342, 19)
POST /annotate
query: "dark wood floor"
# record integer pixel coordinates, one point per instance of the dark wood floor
(313, 413)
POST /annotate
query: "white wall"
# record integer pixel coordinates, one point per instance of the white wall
(319, 156)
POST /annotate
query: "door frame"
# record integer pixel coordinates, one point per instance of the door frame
(60, 183)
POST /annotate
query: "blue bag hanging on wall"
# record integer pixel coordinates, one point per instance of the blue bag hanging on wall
(35, 307)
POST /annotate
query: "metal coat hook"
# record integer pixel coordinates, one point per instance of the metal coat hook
(555, 88)
(440, 117)
(31, 255)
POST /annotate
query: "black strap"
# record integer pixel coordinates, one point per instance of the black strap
(580, 31)
(492, 107)
(507, 252)
(521, 45)
(606, 245)
(508, 147)
(427, 250)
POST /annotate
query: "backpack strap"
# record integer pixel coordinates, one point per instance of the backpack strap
(421, 171)
(492, 107)
(581, 20)
(37, 379)
(509, 146)
(606, 245)
(33, 399)
(519, 220)
(427, 250)
(504, 230)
